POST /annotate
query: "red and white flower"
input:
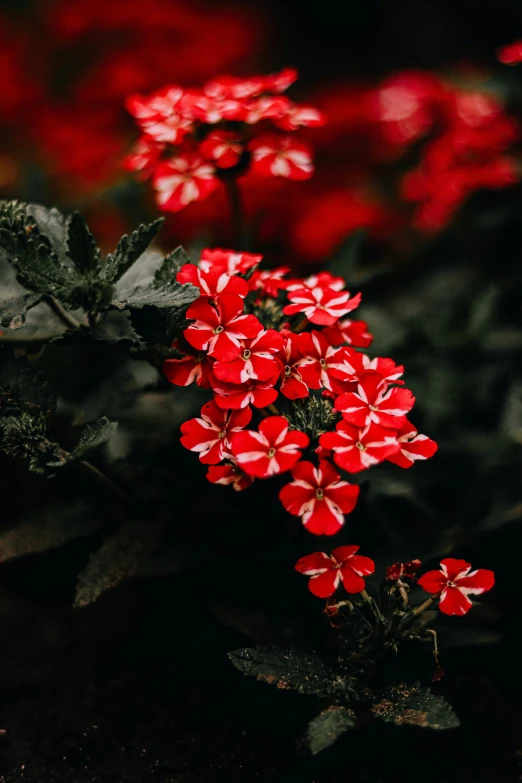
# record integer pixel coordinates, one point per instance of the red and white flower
(184, 371)
(413, 446)
(239, 395)
(321, 306)
(387, 368)
(319, 497)
(349, 332)
(374, 402)
(228, 261)
(292, 384)
(219, 329)
(229, 474)
(300, 116)
(327, 572)
(281, 156)
(320, 280)
(256, 360)
(213, 282)
(211, 108)
(159, 114)
(280, 82)
(210, 435)
(183, 179)
(455, 582)
(270, 281)
(144, 155)
(222, 147)
(274, 449)
(356, 449)
(322, 365)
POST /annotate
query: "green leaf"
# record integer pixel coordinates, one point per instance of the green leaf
(47, 527)
(118, 558)
(81, 245)
(23, 386)
(170, 267)
(414, 705)
(94, 434)
(13, 310)
(52, 224)
(129, 249)
(328, 726)
(170, 294)
(288, 669)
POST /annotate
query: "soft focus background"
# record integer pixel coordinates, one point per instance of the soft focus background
(418, 167)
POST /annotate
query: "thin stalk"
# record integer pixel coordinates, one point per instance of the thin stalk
(424, 606)
(301, 325)
(104, 481)
(68, 319)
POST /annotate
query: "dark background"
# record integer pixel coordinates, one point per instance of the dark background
(137, 687)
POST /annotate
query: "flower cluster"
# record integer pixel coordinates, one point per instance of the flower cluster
(451, 585)
(193, 139)
(261, 337)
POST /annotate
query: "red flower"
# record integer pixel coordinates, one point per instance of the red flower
(255, 361)
(212, 282)
(210, 435)
(211, 109)
(274, 449)
(269, 281)
(183, 179)
(228, 261)
(319, 497)
(144, 156)
(350, 332)
(222, 147)
(183, 372)
(374, 402)
(356, 449)
(229, 474)
(455, 581)
(292, 385)
(280, 81)
(386, 368)
(511, 54)
(321, 306)
(320, 280)
(297, 116)
(219, 329)
(322, 364)
(327, 572)
(412, 446)
(402, 571)
(252, 392)
(159, 114)
(281, 156)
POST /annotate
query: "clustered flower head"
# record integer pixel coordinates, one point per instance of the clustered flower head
(291, 392)
(451, 585)
(193, 139)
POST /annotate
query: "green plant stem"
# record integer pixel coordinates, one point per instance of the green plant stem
(104, 481)
(424, 606)
(68, 319)
(301, 325)
(236, 212)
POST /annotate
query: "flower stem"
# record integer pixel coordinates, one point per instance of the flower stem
(104, 481)
(236, 212)
(424, 606)
(64, 316)
(301, 325)
(272, 408)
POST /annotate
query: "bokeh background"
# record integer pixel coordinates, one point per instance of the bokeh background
(137, 687)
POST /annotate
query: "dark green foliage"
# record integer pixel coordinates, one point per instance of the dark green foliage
(118, 558)
(129, 249)
(287, 669)
(23, 387)
(414, 705)
(313, 415)
(328, 726)
(57, 260)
